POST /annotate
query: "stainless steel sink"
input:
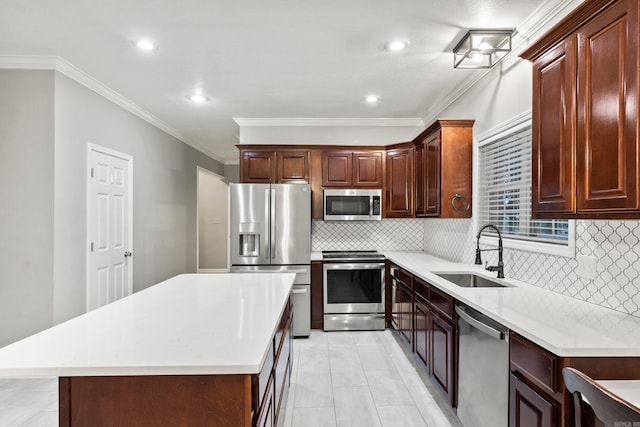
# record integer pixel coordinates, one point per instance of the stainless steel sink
(470, 280)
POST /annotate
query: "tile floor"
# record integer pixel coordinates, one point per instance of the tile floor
(338, 379)
(361, 379)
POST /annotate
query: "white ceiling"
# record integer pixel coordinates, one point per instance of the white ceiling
(259, 58)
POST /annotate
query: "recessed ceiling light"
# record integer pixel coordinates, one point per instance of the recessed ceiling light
(146, 45)
(196, 97)
(371, 99)
(396, 45)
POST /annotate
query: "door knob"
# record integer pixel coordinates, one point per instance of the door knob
(127, 254)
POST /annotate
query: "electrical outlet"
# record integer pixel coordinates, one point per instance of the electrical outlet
(217, 220)
(587, 266)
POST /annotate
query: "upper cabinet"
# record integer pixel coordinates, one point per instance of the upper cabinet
(585, 114)
(443, 165)
(346, 168)
(400, 182)
(270, 166)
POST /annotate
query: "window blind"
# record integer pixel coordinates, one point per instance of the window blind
(505, 190)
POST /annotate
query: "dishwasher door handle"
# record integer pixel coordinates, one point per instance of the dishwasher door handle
(479, 325)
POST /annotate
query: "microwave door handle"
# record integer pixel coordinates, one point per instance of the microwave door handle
(370, 205)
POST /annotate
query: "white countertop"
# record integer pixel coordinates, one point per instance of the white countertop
(189, 324)
(316, 256)
(563, 325)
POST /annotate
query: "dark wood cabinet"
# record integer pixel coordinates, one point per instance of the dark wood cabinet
(553, 169)
(368, 169)
(420, 179)
(585, 114)
(271, 166)
(443, 164)
(292, 167)
(432, 175)
(317, 296)
(258, 167)
(337, 168)
(405, 315)
(537, 394)
(400, 180)
(424, 318)
(348, 168)
(421, 313)
(528, 407)
(442, 334)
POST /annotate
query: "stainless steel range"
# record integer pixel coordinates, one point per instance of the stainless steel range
(353, 290)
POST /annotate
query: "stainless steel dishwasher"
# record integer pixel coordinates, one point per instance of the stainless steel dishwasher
(483, 370)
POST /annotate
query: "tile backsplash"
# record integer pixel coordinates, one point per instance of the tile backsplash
(615, 244)
(384, 235)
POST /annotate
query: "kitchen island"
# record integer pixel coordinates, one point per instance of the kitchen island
(197, 349)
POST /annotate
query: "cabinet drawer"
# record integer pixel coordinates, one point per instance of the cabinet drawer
(533, 362)
(441, 302)
(263, 378)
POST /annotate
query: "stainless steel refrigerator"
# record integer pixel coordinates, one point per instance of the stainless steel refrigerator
(271, 232)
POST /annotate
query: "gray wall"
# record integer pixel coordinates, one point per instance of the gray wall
(164, 193)
(26, 207)
(46, 121)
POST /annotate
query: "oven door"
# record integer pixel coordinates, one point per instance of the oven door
(353, 287)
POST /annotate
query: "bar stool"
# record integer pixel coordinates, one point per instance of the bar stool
(608, 408)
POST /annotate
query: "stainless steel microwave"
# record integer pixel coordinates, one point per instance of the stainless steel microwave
(352, 205)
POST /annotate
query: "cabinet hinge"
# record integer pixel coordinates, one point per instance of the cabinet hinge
(91, 172)
(91, 246)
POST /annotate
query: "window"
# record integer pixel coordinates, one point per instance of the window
(505, 195)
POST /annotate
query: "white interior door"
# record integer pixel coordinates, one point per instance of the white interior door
(109, 222)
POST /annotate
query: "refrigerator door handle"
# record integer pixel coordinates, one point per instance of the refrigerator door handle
(267, 218)
(272, 222)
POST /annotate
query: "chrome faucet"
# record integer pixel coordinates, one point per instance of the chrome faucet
(500, 267)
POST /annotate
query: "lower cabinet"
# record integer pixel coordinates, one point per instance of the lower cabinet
(528, 407)
(420, 324)
(427, 326)
(537, 394)
(406, 314)
(442, 343)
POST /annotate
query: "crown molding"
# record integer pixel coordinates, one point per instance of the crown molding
(56, 63)
(309, 121)
(527, 31)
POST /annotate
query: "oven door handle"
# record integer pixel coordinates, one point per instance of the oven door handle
(354, 266)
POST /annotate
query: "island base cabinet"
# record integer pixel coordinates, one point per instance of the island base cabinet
(528, 407)
(167, 400)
